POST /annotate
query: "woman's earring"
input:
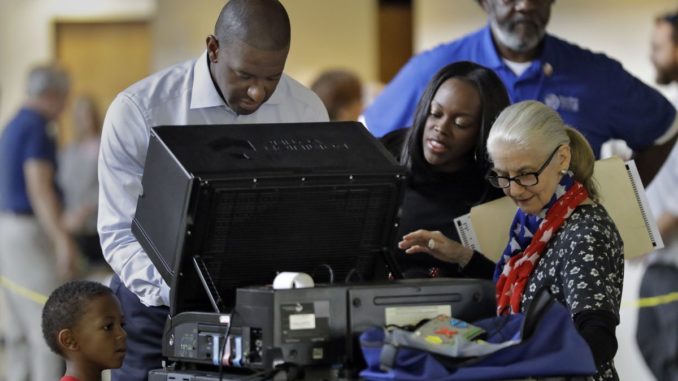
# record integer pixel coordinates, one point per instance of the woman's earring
(563, 171)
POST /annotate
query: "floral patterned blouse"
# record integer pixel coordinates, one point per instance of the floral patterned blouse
(583, 266)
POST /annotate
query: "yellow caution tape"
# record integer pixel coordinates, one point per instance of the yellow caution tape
(652, 301)
(22, 291)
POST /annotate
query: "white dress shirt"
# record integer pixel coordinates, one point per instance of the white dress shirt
(662, 198)
(183, 94)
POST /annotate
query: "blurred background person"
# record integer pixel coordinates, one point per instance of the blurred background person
(657, 330)
(36, 251)
(664, 54)
(341, 91)
(77, 177)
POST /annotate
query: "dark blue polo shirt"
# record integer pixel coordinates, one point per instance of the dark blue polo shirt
(25, 138)
(592, 92)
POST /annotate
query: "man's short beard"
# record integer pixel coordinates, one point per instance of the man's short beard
(514, 43)
(668, 75)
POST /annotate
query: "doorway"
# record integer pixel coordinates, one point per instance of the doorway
(102, 58)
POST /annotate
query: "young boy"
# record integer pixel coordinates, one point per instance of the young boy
(82, 321)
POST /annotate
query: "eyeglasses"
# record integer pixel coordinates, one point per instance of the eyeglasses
(525, 180)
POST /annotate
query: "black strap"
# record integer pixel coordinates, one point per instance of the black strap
(537, 308)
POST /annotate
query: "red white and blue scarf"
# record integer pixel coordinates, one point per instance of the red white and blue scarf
(528, 237)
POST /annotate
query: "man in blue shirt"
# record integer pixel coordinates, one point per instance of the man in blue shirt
(592, 92)
(36, 252)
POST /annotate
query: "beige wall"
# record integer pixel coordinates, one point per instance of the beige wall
(330, 34)
(180, 29)
(619, 28)
(20, 46)
(325, 34)
(27, 36)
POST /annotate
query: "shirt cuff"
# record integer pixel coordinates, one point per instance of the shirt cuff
(669, 134)
(479, 267)
(165, 293)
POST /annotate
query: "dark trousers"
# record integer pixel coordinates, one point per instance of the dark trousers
(144, 326)
(91, 248)
(657, 333)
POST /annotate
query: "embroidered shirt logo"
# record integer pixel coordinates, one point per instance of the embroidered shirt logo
(562, 102)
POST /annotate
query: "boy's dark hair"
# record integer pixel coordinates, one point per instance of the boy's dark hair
(65, 306)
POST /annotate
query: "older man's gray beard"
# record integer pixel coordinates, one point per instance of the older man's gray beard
(514, 43)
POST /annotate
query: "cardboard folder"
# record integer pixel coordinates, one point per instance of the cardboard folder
(486, 227)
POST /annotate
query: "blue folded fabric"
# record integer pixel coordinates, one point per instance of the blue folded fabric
(546, 344)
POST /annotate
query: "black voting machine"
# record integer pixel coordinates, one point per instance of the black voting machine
(226, 207)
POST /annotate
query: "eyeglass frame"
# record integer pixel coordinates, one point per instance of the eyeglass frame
(493, 179)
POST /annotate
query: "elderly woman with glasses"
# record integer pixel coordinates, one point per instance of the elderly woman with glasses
(560, 238)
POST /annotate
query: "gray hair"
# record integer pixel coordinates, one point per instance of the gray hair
(528, 124)
(44, 78)
(533, 126)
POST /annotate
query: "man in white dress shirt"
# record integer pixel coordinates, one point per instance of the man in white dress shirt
(238, 79)
(657, 333)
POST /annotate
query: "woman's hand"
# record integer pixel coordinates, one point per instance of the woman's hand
(436, 245)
